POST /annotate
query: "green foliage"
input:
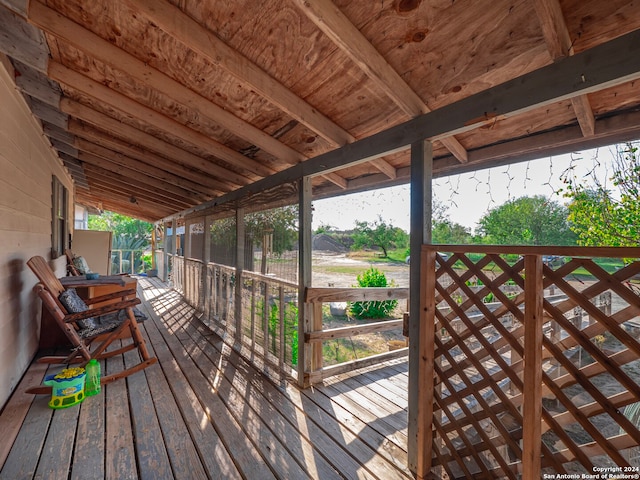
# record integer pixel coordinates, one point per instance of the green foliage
(450, 233)
(379, 234)
(372, 309)
(290, 326)
(527, 221)
(120, 225)
(601, 215)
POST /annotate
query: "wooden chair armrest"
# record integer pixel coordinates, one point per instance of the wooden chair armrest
(110, 296)
(96, 312)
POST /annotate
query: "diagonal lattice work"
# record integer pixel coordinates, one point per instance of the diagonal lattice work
(584, 355)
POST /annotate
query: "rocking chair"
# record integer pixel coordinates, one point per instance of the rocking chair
(83, 325)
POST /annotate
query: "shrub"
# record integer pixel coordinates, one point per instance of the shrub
(373, 309)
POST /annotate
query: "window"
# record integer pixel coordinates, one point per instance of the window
(60, 221)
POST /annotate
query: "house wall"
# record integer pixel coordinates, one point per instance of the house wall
(27, 163)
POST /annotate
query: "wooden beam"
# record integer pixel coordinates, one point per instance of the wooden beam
(58, 133)
(148, 141)
(196, 37)
(137, 175)
(47, 113)
(421, 313)
(201, 183)
(125, 186)
(532, 390)
(201, 40)
(65, 29)
(84, 196)
(560, 45)
(132, 165)
(335, 25)
(606, 65)
(36, 84)
(122, 103)
(22, 41)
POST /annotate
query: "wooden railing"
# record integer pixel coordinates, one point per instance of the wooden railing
(315, 334)
(543, 379)
(255, 314)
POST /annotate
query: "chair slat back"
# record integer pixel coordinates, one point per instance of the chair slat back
(43, 271)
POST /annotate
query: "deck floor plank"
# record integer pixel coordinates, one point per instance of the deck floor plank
(271, 406)
(88, 457)
(203, 411)
(17, 408)
(120, 454)
(55, 459)
(244, 453)
(323, 430)
(27, 447)
(216, 459)
(151, 452)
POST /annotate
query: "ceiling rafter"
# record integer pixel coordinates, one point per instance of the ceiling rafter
(335, 25)
(61, 27)
(559, 43)
(133, 187)
(161, 186)
(196, 37)
(85, 147)
(126, 105)
(201, 183)
(148, 141)
(104, 199)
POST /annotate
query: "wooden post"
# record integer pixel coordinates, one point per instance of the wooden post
(206, 258)
(304, 278)
(421, 340)
(240, 231)
(532, 391)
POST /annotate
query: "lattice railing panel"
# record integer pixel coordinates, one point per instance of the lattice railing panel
(590, 364)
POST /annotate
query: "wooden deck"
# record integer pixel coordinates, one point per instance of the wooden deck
(203, 412)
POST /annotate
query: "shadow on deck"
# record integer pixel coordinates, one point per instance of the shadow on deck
(204, 412)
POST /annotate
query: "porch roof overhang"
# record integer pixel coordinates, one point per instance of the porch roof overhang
(160, 109)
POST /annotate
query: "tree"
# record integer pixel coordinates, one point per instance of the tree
(120, 225)
(379, 234)
(533, 220)
(601, 215)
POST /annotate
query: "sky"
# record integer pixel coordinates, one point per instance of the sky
(467, 196)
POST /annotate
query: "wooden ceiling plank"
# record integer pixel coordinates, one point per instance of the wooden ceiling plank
(64, 147)
(609, 64)
(22, 41)
(559, 43)
(58, 133)
(196, 37)
(149, 142)
(132, 165)
(36, 84)
(124, 206)
(47, 113)
(138, 176)
(335, 25)
(146, 114)
(200, 182)
(201, 40)
(59, 26)
(98, 176)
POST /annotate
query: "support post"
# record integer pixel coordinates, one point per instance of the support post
(532, 390)
(304, 278)
(421, 342)
(206, 258)
(240, 231)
